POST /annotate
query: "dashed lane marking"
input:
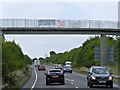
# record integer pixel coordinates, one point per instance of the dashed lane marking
(70, 80)
(76, 87)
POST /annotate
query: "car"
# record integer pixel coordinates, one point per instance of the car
(99, 75)
(55, 75)
(58, 67)
(41, 68)
(67, 69)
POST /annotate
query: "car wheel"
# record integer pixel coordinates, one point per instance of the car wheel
(87, 83)
(91, 85)
(106, 86)
(70, 71)
(63, 82)
(47, 83)
(111, 85)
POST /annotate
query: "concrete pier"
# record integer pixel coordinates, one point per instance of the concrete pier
(103, 51)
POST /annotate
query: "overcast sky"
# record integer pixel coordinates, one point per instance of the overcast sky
(40, 45)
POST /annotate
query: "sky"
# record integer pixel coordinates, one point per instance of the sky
(41, 45)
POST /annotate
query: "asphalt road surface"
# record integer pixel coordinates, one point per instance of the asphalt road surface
(73, 80)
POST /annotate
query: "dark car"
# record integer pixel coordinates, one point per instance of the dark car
(99, 75)
(67, 69)
(41, 68)
(58, 67)
(55, 75)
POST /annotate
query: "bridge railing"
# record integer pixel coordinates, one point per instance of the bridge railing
(52, 23)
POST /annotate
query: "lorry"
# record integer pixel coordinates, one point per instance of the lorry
(37, 62)
(68, 63)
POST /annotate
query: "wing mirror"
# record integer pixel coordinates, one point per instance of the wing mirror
(111, 73)
(45, 73)
(90, 73)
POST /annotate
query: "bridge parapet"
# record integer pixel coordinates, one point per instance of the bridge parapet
(53, 23)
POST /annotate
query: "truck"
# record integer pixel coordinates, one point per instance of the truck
(37, 63)
(68, 63)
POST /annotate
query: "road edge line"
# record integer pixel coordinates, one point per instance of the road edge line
(36, 76)
(116, 85)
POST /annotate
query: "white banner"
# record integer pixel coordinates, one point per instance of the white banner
(62, 23)
(46, 23)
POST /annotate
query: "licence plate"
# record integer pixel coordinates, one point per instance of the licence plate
(55, 76)
(102, 81)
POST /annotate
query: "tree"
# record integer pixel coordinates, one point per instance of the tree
(13, 59)
(34, 59)
(52, 53)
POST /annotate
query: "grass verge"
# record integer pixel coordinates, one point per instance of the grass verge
(81, 70)
(23, 78)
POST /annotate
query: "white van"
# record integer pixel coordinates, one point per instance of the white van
(37, 63)
(68, 63)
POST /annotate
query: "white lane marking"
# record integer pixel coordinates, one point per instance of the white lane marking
(36, 76)
(116, 85)
(76, 87)
(70, 80)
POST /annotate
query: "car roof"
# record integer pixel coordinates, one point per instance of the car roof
(58, 66)
(42, 65)
(67, 66)
(54, 70)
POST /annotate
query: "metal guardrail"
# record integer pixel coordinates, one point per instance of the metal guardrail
(53, 23)
(115, 76)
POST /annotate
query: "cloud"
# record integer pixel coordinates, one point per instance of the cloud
(39, 45)
(63, 10)
(59, 1)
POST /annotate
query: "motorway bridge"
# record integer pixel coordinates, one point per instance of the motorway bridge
(53, 26)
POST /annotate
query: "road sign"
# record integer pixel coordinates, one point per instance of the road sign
(97, 54)
(111, 54)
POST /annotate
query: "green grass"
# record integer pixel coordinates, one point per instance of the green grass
(114, 69)
(22, 79)
(81, 70)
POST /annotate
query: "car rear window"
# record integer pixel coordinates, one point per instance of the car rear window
(55, 71)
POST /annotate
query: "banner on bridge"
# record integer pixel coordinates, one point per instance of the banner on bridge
(62, 23)
(47, 23)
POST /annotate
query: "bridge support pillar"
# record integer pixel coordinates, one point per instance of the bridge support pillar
(103, 51)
